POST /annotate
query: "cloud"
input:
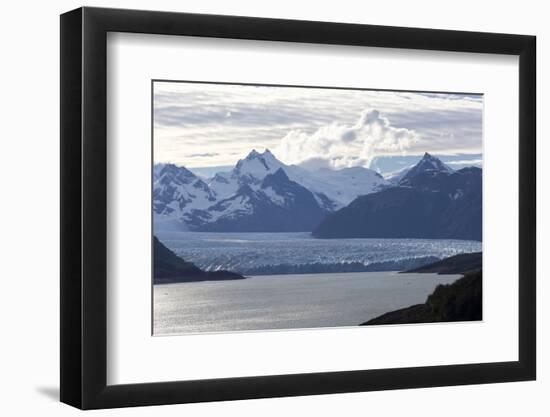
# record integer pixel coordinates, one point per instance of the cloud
(202, 155)
(230, 120)
(466, 162)
(341, 145)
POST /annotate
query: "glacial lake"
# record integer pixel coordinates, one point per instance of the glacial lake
(287, 301)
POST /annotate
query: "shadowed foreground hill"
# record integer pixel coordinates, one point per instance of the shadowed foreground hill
(458, 264)
(170, 268)
(459, 301)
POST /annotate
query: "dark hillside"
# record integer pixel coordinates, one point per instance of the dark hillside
(170, 268)
(459, 301)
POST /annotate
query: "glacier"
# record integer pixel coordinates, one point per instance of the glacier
(296, 253)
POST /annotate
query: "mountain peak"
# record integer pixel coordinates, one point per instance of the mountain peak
(253, 154)
(270, 158)
(171, 172)
(258, 164)
(430, 159)
(429, 165)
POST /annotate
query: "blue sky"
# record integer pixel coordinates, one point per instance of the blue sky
(202, 125)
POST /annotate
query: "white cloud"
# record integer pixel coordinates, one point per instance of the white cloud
(343, 145)
(230, 120)
(466, 162)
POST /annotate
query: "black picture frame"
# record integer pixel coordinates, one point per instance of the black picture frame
(84, 207)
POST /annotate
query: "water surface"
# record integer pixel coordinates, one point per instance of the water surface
(287, 301)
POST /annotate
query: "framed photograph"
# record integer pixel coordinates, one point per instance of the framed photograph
(256, 208)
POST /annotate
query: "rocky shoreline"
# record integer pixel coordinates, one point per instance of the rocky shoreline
(170, 268)
(459, 301)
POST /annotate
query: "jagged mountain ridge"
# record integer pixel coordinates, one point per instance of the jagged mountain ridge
(259, 187)
(176, 191)
(428, 167)
(332, 189)
(277, 205)
(430, 201)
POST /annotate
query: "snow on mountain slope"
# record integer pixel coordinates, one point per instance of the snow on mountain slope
(341, 186)
(427, 166)
(332, 189)
(431, 201)
(257, 165)
(396, 176)
(157, 168)
(277, 204)
(250, 170)
(176, 191)
(223, 184)
(183, 199)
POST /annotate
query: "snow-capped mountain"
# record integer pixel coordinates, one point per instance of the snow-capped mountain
(396, 176)
(428, 166)
(176, 191)
(344, 185)
(250, 170)
(430, 201)
(332, 189)
(277, 204)
(259, 183)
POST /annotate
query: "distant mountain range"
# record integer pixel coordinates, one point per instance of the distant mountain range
(261, 194)
(429, 201)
